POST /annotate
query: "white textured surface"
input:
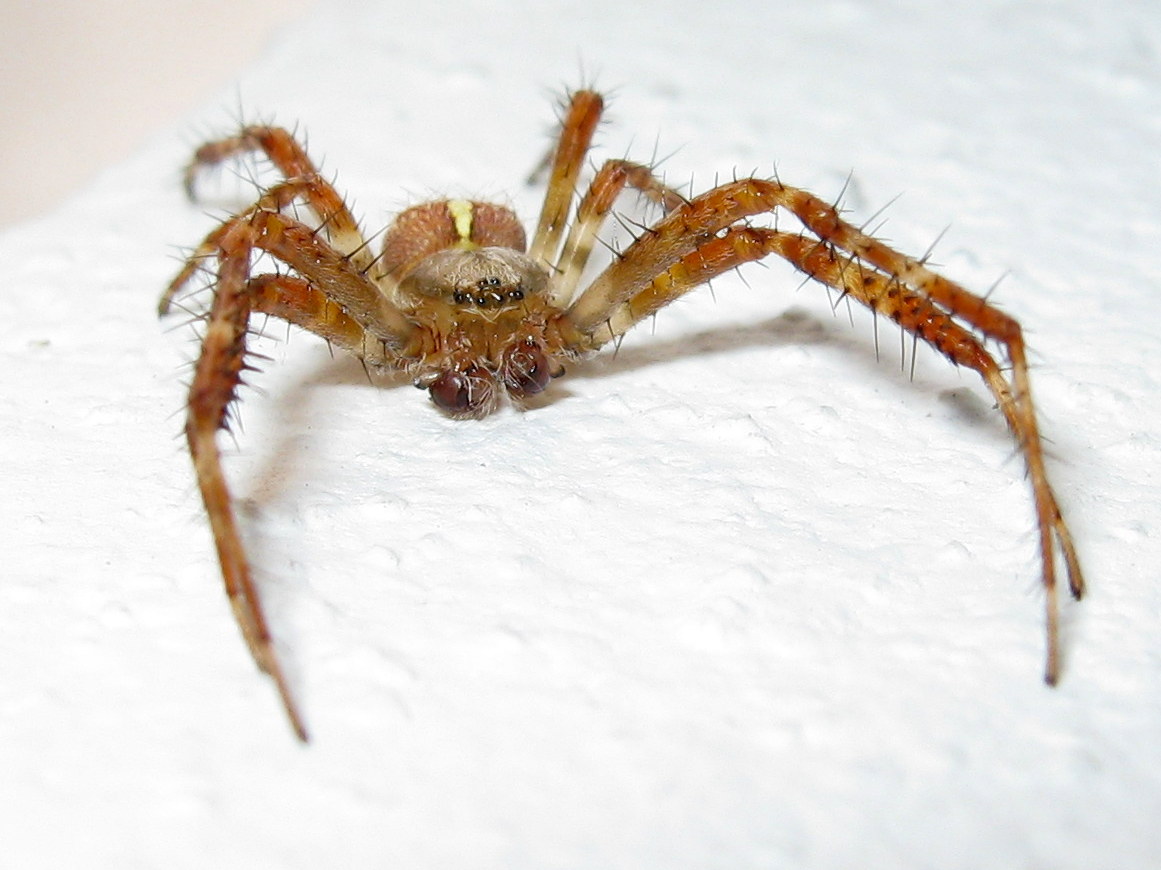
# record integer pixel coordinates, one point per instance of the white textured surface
(739, 597)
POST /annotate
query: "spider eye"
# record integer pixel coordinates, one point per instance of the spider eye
(462, 392)
(488, 292)
(525, 369)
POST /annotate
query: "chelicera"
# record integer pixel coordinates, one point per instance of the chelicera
(456, 298)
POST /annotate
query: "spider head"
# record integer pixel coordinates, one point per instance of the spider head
(482, 281)
(486, 308)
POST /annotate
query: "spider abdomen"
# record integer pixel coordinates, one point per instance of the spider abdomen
(422, 230)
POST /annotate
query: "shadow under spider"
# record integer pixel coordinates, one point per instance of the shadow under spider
(283, 459)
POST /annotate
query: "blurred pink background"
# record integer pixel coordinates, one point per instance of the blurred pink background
(84, 82)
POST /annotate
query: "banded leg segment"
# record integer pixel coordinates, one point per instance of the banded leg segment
(217, 375)
(327, 296)
(331, 274)
(609, 182)
(297, 301)
(937, 321)
(274, 199)
(292, 161)
(909, 298)
(689, 227)
(576, 135)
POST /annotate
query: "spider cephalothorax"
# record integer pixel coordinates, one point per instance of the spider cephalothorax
(456, 299)
(481, 303)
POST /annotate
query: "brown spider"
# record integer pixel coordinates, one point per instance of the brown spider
(455, 300)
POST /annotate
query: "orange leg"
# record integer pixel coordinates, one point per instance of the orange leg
(299, 302)
(332, 274)
(291, 159)
(576, 135)
(698, 242)
(216, 378)
(329, 297)
(275, 199)
(609, 182)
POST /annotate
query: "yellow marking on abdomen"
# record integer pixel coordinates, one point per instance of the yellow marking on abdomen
(462, 213)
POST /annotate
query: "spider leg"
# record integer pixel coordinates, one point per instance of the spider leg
(217, 375)
(700, 240)
(301, 303)
(291, 159)
(328, 271)
(611, 179)
(275, 199)
(576, 135)
(328, 295)
(910, 302)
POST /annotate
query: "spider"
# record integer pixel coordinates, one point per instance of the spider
(456, 299)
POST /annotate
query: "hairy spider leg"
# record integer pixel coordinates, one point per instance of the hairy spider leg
(290, 158)
(576, 135)
(275, 199)
(609, 182)
(217, 375)
(332, 299)
(701, 240)
(301, 303)
(577, 127)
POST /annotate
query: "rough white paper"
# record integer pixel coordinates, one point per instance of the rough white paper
(742, 595)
